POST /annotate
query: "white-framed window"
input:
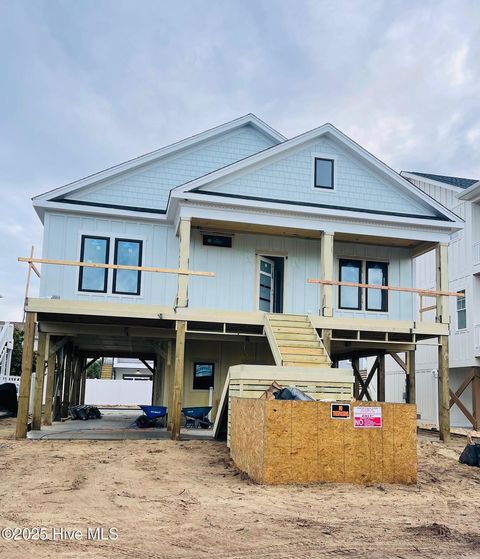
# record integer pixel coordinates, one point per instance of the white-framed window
(461, 311)
(360, 298)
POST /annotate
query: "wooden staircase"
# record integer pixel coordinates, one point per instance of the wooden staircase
(107, 370)
(294, 341)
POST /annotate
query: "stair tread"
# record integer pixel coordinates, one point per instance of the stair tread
(294, 350)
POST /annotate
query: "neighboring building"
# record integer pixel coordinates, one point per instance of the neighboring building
(462, 196)
(263, 214)
(6, 349)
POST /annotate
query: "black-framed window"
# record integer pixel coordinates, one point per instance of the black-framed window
(324, 172)
(203, 375)
(377, 274)
(461, 311)
(350, 297)
(94, 250)
(127, 253)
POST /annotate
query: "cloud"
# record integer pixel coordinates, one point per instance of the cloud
(89, 84)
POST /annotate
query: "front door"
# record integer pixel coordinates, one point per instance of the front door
(266, 293)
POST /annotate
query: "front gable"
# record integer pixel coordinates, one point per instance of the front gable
(289, 179)
(149, 187)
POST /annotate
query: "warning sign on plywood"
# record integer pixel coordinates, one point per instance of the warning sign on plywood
(367, 417)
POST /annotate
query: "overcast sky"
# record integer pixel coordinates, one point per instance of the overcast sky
(88, 84)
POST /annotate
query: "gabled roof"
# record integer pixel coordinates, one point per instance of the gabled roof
(452, 181)
(295, 143)
(249, 119)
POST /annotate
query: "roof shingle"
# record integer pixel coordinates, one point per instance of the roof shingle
(454, 181)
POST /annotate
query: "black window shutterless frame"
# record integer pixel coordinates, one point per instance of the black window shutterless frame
(139, 274)
(105, 273)
(383, 266)
(351, 264)
(332, 171)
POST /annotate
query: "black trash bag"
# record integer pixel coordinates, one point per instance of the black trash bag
(470, 455)
(292, 393)
(8, 398)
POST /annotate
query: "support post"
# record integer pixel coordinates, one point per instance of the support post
(58, 385)
(381, 378)
(26, 378)
(67, 383)
(441, 261)
(184, 256)
(47, 417)
(169, 376)
(43, 343)
(83, 382)
(356, 372)
(178, 379)
(157, 381)
(411, 371)
(443, 390)
(476, 398)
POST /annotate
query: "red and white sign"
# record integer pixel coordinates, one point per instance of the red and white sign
(367, 417)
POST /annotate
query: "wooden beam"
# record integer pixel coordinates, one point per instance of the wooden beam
(411, 377)
(364, 391)
(184, 257)
(58, 384)
(181, 271)
(26, 378)
(42, 353)
(178, 379)
(149, 367)
(443, 390)
(356, 373)
(462, 407)
(461, 389)
(399, 361)
(424, 292)
(83, 381)
(48, 412)
(381, 378)
(326, 273)
(29, 273)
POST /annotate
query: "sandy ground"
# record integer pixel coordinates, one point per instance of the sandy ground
(187, 500)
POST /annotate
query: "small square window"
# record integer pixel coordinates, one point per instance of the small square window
(203, 376)
(324, 169)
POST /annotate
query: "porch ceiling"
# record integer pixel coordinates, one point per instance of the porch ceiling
(219, 226)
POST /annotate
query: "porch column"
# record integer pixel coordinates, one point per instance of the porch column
(83, 381)
(178, 379)
(169, 382)
(411, 371)
(26, 378)
(441, 257)
(58, 385)
(43, 343)
(184, 256)
(158, 381)
(326, 291)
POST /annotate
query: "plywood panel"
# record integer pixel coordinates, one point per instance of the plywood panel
(302, 444)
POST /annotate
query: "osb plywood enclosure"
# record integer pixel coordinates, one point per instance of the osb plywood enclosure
(298, 442)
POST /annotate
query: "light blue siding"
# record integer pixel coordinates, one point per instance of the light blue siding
(234, 286)
(357, 185)
(149, 186)
(62, 239)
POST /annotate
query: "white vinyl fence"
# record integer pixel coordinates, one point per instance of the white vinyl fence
(118, 392)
